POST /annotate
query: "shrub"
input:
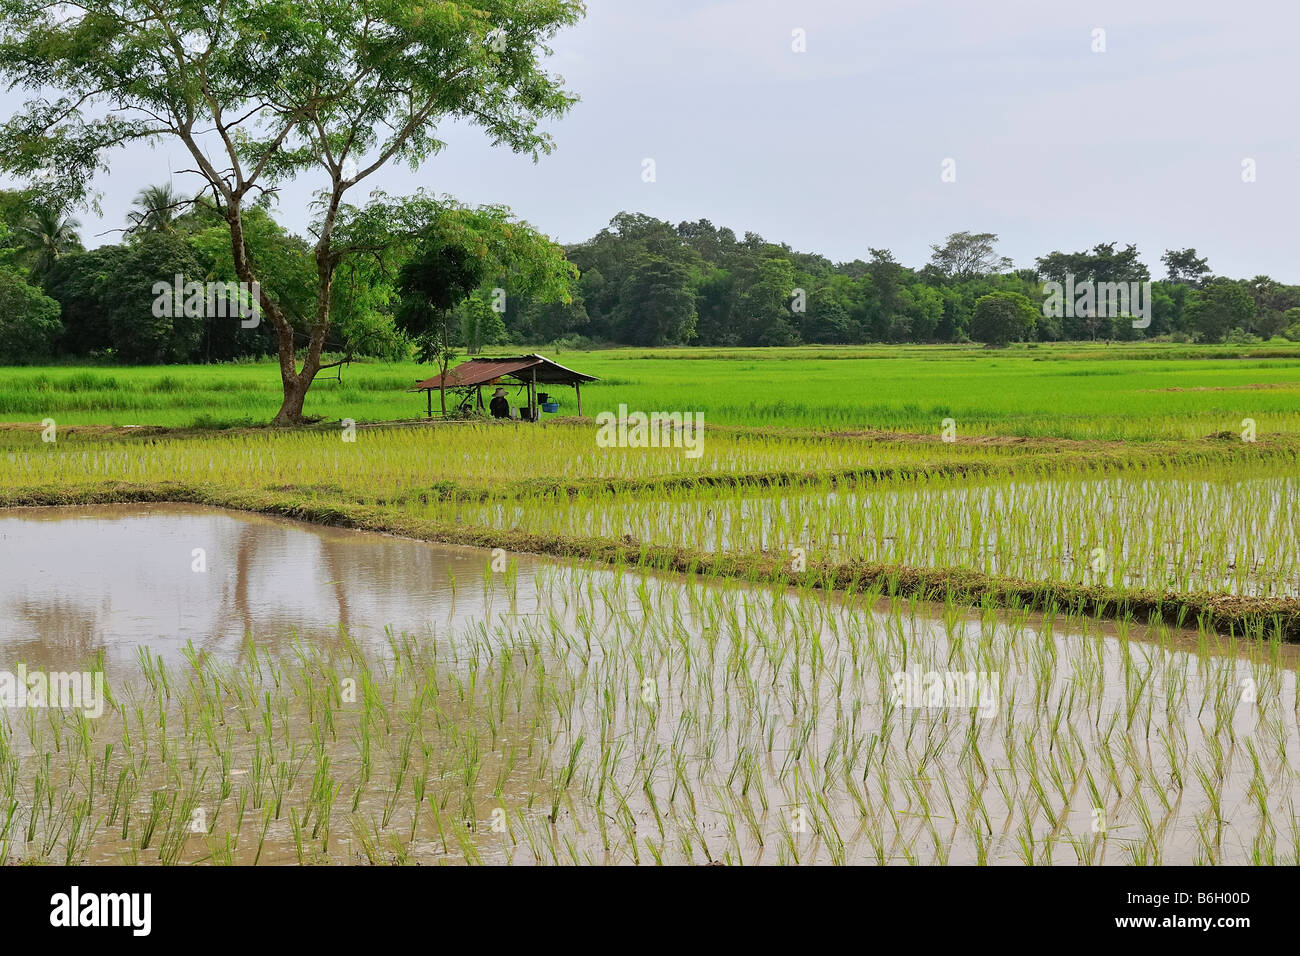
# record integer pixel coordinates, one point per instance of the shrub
(1292, 317)
(573, 343)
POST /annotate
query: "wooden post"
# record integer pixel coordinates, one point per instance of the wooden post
(428, 394)
(577, 390)
(532, 397)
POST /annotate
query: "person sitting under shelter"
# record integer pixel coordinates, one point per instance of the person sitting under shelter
(500, 405)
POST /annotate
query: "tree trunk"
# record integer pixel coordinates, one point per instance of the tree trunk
(295, 381)
(295, 393)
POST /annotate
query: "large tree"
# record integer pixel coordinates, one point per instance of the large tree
(1272, 299)
(82, 284)
(460, 250)
(766, 287)
(29, 321)
(1102, 264)
(657, 305)
(146, 328)
(1002, 317)
(966, 255)
(1220, 306)
(259, 92)
(1186, 267)
(886, 309)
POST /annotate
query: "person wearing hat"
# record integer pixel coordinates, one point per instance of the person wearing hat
(500, 405)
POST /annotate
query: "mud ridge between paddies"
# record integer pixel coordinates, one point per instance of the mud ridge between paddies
(1233, 615)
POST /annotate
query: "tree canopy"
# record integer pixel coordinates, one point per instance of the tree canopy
(639, 281)
(261, 92)
(1002, 317)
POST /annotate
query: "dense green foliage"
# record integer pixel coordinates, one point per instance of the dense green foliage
(641, 282)
(29, 321)
(1221, 306)
(1002, 317)
(751, 292)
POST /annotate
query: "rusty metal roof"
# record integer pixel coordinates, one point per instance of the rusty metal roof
(481, 371)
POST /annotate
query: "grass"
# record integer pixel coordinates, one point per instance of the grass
(1129, 392)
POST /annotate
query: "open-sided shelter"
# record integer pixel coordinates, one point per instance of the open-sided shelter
(528, 371)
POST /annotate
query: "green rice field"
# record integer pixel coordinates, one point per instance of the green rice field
(1133, 392)
(1064, 636)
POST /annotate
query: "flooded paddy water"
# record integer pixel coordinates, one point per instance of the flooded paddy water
(317, 695)
(117, 576)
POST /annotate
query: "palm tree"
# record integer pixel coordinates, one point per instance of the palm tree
(48, 233)
(156, 209)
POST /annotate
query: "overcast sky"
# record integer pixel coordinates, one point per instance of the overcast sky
(841, 147)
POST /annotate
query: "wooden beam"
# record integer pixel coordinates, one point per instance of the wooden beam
(577, 390)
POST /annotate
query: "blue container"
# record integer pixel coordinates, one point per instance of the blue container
(550, 406)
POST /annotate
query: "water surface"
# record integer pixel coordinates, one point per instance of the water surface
(79, 579)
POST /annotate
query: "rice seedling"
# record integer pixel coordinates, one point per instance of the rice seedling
(1084, 735)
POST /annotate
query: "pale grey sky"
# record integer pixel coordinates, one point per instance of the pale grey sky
(840, 148)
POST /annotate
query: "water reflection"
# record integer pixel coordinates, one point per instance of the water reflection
(77, 580)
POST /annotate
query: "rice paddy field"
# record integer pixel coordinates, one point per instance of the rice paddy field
(1130, 391)
(1066, 636)
(633, 719)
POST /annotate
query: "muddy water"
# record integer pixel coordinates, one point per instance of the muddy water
(77, 580)
(611, 717)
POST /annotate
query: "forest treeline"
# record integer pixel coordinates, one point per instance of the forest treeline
(640, 281)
